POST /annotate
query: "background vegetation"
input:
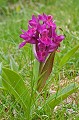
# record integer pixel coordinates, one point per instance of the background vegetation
(14, 17)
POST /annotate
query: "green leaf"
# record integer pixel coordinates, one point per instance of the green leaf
(61, 95)
(0, 81)
(14, 66)
(0, 67)
(16, 86)
(45, 68)
(67, 56)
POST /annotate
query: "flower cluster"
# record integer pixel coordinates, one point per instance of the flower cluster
(42, 34)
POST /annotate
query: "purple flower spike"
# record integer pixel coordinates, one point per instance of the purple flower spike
(22, 44)
(33, 22)
(42, 33)
(40, 52)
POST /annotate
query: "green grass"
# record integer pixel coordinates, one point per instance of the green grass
(14, 17)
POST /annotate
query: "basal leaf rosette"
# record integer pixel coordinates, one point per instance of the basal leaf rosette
(42, 34)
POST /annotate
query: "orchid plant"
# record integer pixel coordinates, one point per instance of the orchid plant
(42, 34)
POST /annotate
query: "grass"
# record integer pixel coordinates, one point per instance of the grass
(15, 16)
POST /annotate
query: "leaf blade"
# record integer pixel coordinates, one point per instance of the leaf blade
(16, 86)
(46, 69)
(67, 56)
(61, 95)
